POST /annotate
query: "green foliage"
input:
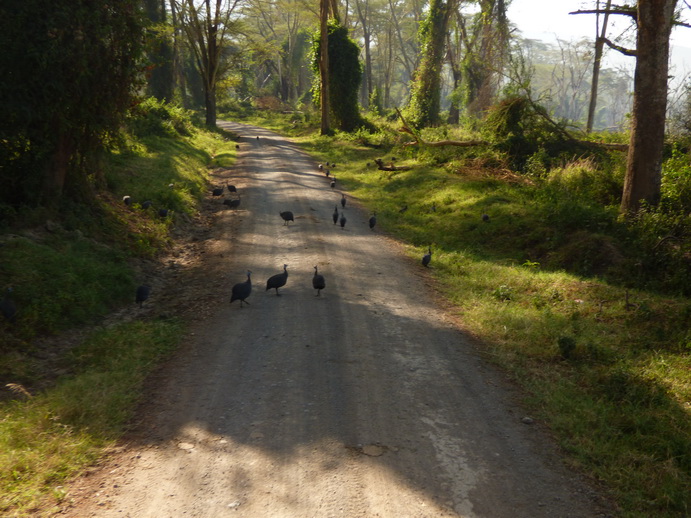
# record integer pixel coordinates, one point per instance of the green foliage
(345, 76)
(56, 433)
(425, 92)
(516, 127)
(676, 183)
(61, 280)
(155, 117)
(67, 79)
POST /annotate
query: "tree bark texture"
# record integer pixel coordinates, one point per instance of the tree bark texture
(644, 165)
(425, 96)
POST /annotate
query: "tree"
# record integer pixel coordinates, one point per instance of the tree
(159, 51)
(425, 97)
(487, 43)
(66, 80)
(324, 86)
(654, 21)
(644, 164)
(345, 75)
(206, 27)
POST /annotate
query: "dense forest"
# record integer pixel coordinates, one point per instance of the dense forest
(72, 74)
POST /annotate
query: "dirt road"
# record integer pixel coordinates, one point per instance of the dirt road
(364, 402)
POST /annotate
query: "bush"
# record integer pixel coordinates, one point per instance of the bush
(155, 117)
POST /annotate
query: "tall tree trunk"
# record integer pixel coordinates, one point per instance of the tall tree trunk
(644, 165)
(324, 67)
(57, 168)
(210, 71)
(425, 96)
(363, 16)
(601, 34)
(487, 51)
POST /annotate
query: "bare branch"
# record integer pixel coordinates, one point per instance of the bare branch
(619, 48)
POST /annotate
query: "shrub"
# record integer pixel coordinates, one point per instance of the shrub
(156, 117)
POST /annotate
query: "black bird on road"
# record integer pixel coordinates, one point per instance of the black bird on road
(318, 281)
(217, 191)
(373, 221)
(242, 290)
(427, 257)
(343, 220)
(287, 216)
(278, 280)
(142, 294)
(232, 188)
(335, 214)
(343, 200)
(333, 182)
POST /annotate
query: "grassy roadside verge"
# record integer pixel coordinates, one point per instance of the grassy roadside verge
(61, 409)
(605, 365)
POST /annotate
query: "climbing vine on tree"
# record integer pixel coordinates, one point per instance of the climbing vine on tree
(345, 71)
(425, 95)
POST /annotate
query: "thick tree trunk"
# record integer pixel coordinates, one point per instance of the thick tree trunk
(57, 169)
(425, 96)
(644, 166)
(324, 67)
(210, 105)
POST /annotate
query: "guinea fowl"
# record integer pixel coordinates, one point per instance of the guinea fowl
(427, 257)
(142, 294)
(335, 214)
(333, 182)
(318, 281)
(242, 290)
(373, 221)
(343, 200)
(147, 204)
(287, 216)
(217, 192)
(232, 188)
(278, 280)
(343, 220)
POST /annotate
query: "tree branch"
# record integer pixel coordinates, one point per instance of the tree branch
(619, 48)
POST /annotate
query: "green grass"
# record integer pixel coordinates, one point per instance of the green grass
(53, 435)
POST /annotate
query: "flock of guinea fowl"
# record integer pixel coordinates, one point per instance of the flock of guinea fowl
(242, 290)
